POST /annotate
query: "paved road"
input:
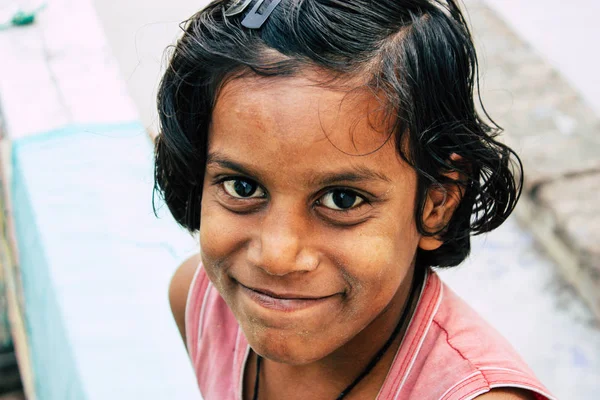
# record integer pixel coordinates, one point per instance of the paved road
(518, 290)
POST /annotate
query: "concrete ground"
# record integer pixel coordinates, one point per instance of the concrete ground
(138, 32)
(562, 32)
(519, 290)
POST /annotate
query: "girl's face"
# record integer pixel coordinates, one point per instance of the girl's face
(306, 231)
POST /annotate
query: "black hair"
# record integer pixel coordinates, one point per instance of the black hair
(419, 53)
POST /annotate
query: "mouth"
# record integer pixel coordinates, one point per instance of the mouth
(286, 302)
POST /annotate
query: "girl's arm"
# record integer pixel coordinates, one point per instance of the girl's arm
(179, 288)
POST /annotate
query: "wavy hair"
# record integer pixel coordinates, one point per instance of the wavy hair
(418, 53)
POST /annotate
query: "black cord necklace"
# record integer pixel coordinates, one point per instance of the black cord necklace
(417, 279)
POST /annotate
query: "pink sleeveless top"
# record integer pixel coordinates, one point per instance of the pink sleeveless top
(448, 352)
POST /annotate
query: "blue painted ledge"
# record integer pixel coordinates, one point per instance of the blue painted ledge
(95, 265)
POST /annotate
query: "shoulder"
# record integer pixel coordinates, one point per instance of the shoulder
(465, 340)
(476, 358)
(179, 289)
(465, 335)
(506, 394)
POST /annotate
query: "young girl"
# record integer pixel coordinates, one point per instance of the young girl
(329, 153)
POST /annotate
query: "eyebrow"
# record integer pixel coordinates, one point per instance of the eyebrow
(354, 174)
(224, 162)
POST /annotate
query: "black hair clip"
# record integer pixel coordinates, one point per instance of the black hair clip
(257, 15)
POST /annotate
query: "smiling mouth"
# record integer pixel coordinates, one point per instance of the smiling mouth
(287, 302)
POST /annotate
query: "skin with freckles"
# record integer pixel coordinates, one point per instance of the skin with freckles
(308, 231)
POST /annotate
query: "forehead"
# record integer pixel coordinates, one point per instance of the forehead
(291, 120)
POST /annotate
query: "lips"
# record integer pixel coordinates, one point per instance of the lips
(286, 302)
(285, 296)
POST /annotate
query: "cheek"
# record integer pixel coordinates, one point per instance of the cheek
(220, 234)
(378, 260)
(377, 266)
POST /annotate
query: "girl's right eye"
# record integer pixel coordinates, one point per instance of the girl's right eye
(240, 188)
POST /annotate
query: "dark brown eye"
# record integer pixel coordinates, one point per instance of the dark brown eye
(340, 199)
(243, 188)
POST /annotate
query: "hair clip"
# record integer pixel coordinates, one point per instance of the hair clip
(237, 7)
(257, 16)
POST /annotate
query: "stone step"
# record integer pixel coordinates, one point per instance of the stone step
(557, 135)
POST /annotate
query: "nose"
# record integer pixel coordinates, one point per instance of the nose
(282, 244)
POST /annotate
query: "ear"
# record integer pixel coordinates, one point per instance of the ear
(440, 204)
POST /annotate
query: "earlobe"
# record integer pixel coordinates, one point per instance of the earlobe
(429, 243)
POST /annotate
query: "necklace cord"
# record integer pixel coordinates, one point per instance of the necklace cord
(393, 336)
(256, 381)
(417, 279)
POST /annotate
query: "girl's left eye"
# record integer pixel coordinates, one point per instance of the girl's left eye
(341, 199)
(243, 188)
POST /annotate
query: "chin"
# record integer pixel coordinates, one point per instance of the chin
(282, 348)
